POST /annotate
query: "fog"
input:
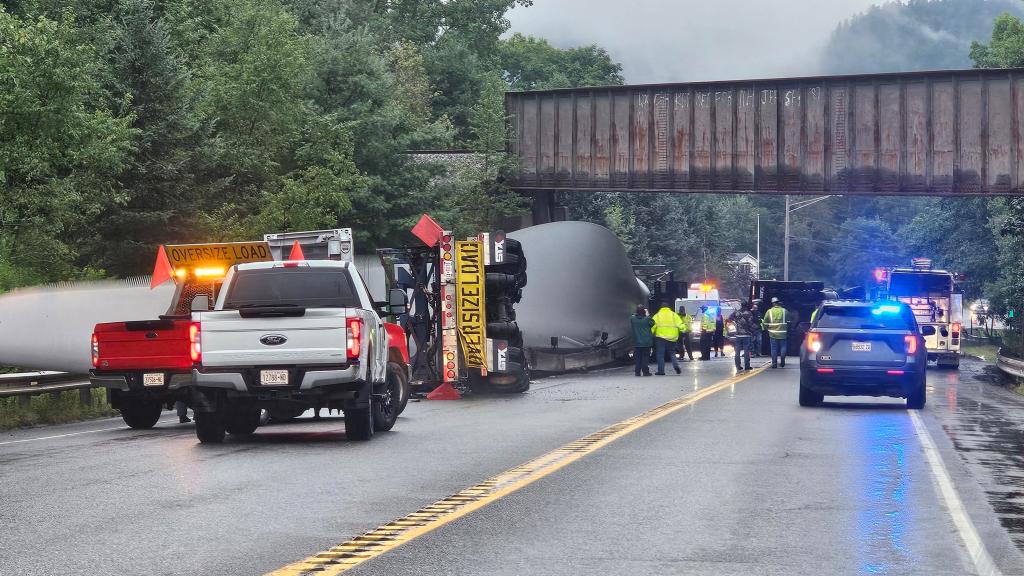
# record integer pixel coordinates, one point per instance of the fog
(691, 40)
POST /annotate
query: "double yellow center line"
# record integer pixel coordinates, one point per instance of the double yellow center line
(371, 544)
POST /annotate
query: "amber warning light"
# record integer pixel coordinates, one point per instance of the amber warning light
(205, 262)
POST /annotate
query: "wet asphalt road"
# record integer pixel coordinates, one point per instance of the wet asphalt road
(742, 482)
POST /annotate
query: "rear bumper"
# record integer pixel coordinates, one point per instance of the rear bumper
(246, 380)
(862, 381)
(132, 381)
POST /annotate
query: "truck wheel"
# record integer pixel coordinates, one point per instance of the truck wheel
(210, 427)
(387, 406)
(243, 421)
(917, 398)
(403, 377)
(141, 414)
(809, 397)
(359, 423)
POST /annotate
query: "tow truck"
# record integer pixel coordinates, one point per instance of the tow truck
(936, 300)
(146, 365)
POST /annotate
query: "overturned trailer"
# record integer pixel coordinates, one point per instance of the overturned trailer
(575, 309)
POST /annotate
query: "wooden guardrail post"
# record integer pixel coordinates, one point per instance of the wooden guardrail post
(85, 396)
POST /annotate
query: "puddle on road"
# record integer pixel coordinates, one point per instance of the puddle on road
(987, 429)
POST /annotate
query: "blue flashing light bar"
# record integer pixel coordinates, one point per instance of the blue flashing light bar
(886, 310)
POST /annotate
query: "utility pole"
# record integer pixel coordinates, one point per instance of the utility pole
(785, 245)
(793, 207)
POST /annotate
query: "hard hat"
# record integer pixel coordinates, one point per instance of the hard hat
(775, 300)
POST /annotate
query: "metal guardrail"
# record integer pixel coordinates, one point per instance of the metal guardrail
(1011, 366)
(34, 383)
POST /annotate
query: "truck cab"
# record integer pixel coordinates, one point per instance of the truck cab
(936, 301)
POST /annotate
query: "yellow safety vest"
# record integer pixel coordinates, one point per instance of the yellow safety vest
(687, 323)
(707, 323)
(667, 325)
(775, 322)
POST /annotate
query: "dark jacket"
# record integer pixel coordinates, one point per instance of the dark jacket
(745, 323)
(642, 336)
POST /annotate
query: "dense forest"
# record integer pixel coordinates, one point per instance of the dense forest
(129, 123)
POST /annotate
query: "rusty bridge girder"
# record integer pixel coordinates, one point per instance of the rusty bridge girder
(948, 133)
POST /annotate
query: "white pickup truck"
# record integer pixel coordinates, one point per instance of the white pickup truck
(288, 336)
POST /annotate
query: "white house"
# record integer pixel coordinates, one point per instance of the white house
(743, 262)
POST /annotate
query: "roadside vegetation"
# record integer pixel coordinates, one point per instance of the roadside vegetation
(47, 409)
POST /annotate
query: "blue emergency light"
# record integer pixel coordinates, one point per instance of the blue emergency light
(886, 310)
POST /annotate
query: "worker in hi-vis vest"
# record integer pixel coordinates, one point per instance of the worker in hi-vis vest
(775, 321)
(707, 332)
(667, 326)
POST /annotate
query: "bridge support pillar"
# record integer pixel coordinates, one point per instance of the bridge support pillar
(544, 209)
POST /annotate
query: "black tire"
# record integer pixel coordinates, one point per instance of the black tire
(243, 421)
(809, 397)
(210, 427)
(141, 414)
(403, 375)
(359, 423)
(387, 407)
(919, 396)
(286, 414)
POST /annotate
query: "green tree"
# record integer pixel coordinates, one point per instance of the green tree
(60, 146)
(1006, 50)
(532, 64)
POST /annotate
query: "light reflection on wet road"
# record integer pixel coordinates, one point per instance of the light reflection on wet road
(885, 517)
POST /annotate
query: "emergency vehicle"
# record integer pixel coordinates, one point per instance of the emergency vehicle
(936, 301)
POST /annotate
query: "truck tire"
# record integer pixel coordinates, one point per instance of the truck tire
(949, 362)
(210, 427)
(359, 423)
(141, 414)
(809, 397)
(387, 406)
(243, 421)
(403, 375)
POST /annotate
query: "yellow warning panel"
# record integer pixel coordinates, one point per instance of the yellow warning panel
(206, 257)
(471, 317)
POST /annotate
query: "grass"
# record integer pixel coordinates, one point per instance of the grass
(982, 349)
(47, 409)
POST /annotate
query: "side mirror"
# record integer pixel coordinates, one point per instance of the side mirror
(200, 303)
(398, 302)
(928, 330)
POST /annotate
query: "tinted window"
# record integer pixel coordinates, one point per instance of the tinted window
(919, 284)
(866, 317)
(309, 287)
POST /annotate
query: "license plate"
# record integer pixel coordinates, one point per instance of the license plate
(274, 377)
(153, 379)
(862, 346)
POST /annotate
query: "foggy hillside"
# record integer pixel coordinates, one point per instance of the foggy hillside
(919, 35)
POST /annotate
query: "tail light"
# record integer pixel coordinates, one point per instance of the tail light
(813, 342)
(911, 342)
(355, 337)
(956, 330)
(95, 351)
(195, 343)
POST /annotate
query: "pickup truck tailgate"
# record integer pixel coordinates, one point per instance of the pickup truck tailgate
(144, 344)
(316, 337)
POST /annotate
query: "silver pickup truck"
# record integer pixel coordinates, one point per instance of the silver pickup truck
(289, 336)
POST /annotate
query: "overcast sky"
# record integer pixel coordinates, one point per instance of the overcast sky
(690, 40)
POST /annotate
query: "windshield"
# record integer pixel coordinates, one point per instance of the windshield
(923, 284)
(865, 318)
(309, 287)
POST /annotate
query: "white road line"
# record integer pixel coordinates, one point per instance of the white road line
(983, 563)
(69, 434)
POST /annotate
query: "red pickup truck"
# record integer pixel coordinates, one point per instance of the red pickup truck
(146, 365)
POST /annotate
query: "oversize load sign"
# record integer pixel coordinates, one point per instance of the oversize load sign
(226, 254)
(469, 279)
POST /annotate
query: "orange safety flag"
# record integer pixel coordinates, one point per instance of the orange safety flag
(162, 272)
(296, 253)
(428, 231)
